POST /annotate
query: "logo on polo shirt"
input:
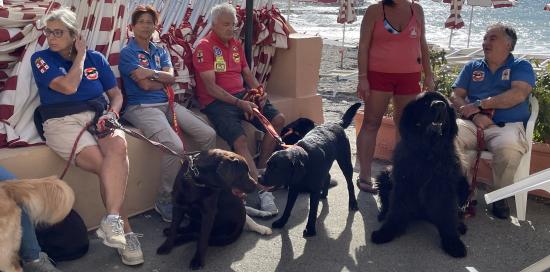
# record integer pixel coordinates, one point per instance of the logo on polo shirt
(143, 61)
(200, 56)
(41, 65)
(506, 74)
(157, 61)
(91, 73)
(478, 76)
(236, 57)
(217, 51)
(219, 64)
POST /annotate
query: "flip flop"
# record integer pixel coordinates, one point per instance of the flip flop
(366, 186)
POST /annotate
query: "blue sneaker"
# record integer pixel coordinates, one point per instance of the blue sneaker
(164, 208)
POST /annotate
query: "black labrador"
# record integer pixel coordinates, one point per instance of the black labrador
(304, 167)
(295, 131)
(207, 190)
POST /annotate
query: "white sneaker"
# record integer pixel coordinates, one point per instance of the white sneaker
(267, 203)
(111, 232)
(131, 254)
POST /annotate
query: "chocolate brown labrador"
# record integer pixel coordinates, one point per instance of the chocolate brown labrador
(207, 190)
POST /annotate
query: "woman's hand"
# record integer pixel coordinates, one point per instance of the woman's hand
(363, 88)
(80, 46)
(429, 83)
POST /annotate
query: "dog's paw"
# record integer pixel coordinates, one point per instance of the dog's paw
(277, 224)
(381, 237)
(462, 228)
(196, 263)
(353, 205)
(310, 232)
(263, 230)
(165, 248)
(454, 247)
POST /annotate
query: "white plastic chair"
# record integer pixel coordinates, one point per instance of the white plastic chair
(522, 183)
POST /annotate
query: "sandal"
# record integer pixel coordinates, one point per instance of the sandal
(366, 186)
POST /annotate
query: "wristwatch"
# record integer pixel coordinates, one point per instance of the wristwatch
(156, 75)
(477, 103)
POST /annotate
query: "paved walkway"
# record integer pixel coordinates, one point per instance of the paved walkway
(342, 243)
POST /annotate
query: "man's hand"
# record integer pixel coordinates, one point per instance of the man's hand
(468, 109)
(363, 88)
(141, 73)
(247, 108)
(101, 121)
(483, 121)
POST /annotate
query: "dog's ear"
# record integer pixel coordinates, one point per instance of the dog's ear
(229, 170)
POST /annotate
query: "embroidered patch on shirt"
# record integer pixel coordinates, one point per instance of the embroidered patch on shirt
(91, 73)
(41, 65)
(217, 51)
(506, 74)
(157, 61)
(478, 76)
(219, 65)
(200, 56)
(236, 57)
(143, 61)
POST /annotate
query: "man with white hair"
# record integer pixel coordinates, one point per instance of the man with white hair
(221, 67)
(492, 94)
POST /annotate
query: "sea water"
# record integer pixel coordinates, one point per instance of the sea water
(528, 17)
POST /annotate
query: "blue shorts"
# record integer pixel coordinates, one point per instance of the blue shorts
(226, 118)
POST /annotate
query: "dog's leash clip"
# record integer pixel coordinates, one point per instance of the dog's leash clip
(191, 168)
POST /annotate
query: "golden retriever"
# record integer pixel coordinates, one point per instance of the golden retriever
(46, 201)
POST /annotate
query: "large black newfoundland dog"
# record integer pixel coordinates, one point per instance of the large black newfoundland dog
(426, 181)
(305, 166)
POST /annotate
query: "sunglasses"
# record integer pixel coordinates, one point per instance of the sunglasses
(58, 33)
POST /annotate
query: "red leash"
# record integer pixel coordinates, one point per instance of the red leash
(73, 151)
(171, 106)
(470, 208)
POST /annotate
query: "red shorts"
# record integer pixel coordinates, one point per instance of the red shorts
(396, 83)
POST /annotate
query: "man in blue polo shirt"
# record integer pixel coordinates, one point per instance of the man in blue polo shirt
(146, 69)
(502, 83)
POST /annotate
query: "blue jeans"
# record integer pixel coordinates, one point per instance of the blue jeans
(29, 244)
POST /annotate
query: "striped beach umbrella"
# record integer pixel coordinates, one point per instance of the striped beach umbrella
(346, 15)
(454, 21)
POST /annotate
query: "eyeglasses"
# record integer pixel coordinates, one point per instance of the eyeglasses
(58, 33)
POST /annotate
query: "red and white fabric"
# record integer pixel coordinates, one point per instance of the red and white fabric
(347, 13)
(455, 19)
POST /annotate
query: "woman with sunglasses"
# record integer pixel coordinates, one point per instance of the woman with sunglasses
(71, 84)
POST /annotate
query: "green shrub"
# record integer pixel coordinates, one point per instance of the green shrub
(542, 93)
(444, 73)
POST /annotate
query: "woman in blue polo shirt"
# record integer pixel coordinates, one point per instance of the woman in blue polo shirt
(71, 84)
(145, 68)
